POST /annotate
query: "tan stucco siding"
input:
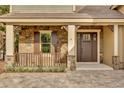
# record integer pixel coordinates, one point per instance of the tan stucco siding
(41, 9)
(107, 45)
(121, 43)
(101, 46)
(121, 9)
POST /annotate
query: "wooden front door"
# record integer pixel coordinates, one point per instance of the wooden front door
(87, 47)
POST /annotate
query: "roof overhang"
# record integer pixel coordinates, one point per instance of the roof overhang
(62, 21)
(114, 6)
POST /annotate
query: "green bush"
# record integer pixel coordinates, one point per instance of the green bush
(35, 69)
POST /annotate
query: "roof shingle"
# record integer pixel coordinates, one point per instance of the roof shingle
(87, 12)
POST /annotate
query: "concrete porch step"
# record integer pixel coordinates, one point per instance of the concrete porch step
(92, 66)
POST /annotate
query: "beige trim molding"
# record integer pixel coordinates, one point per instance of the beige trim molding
(95, 21)
(98, 40)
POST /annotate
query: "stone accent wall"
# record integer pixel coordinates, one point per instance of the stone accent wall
(26, 41)
(71, 62)
(63, 38)
(116, 63)
(9, 60)
(2, 34)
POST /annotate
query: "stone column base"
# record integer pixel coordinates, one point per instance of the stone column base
(71, 63)
(9, 59)
(116, 62)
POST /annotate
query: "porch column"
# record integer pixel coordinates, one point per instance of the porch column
(115, 40)
(71, 47)
(9, 44)
(116, 44)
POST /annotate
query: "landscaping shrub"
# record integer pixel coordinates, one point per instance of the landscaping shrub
(35, 69)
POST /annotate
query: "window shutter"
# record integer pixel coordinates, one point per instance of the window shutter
(55, 40)
(36, 42)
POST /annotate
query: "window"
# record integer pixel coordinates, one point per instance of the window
(45, 42)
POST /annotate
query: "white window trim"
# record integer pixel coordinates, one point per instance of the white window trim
(46, 31)
(98, 40)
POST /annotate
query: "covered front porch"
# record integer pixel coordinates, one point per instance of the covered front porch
(36, 46)
(60, 43)
(58, 46)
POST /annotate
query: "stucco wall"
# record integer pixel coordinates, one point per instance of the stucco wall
(101, 46)
(121, 9)
(107, 45)
(121, 43)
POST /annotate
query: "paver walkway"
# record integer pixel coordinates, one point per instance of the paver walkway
(59, 80)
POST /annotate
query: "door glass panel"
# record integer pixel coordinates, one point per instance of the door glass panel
(94, 37)
(78, 35)
(86, 37)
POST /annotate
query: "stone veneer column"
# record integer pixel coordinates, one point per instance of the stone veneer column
(116, 46)
(9, 45)
(71, 47)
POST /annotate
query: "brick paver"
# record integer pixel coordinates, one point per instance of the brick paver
(59, 80)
